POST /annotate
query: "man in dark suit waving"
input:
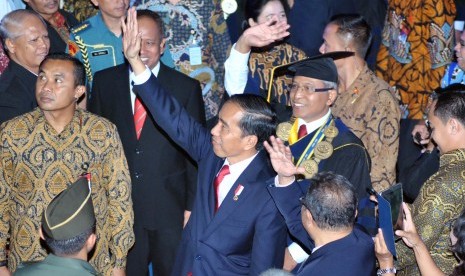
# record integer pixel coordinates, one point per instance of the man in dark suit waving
(235, 227)
(163, 177)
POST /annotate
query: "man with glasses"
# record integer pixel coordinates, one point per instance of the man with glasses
(317, 140)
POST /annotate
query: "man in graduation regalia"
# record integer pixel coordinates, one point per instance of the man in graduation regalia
(319, 141)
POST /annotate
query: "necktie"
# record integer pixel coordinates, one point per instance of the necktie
(302, 131)
(218, 179)
(139, 116)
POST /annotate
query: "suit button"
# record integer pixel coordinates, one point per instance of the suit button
(138, 151)
(198, 257)
(138, 175)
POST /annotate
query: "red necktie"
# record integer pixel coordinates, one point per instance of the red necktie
(139, 116)
(218, 179)
(302, 131)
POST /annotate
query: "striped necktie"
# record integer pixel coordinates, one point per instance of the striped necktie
(139, 116)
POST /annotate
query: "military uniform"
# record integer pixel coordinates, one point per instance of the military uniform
(95, 45)
(54, 266)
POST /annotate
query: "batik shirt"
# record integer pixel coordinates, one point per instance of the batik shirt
(371, 110)
(37, 163)
(440, 202)
(417, 45)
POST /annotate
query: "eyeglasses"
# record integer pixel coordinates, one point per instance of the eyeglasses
(308, 88)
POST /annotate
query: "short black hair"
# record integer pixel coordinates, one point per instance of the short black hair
(70, 246)
(253, 8)
(332, 201)
(258, 119)
(354, 28)
(450, 104)
(155, 18)
(78, 72)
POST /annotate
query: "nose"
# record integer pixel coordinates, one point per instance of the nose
(322, 48)
(215, 130)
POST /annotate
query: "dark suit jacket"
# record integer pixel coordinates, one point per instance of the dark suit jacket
(246, 236)
(163, 176)
(17, 91)
(351, 255)
(57, 44)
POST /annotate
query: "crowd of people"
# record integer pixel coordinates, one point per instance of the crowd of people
(137, 139)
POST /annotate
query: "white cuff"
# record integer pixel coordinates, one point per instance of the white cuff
(281, 185)
(458, 25)
(142, 77)
(297, 253)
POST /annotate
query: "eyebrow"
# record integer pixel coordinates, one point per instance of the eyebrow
(223, 122)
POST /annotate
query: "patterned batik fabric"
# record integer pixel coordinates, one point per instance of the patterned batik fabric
(440, 202)
(82, 9)
(371, 110)
(454, 74)
(37, 163)
(200, 23)
(4, 60)
(417, 45)
(261, 63)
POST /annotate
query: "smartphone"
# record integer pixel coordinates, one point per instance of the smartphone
(394, 196)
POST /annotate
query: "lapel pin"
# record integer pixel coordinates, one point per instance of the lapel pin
(238, 192)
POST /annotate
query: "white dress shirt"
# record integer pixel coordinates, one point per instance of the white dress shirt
(235, 171)
(155, 71)
(236, 72)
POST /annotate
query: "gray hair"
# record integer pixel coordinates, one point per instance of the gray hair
(330, 84)
(12, 24)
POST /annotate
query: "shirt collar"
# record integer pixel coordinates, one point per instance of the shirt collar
(240, 166)
(70, 128)
(312, 126)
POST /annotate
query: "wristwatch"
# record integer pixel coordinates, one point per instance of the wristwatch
(383, 271)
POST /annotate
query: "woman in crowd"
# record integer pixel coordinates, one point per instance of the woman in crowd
(413, 240)
(248, 69)
(59, 22)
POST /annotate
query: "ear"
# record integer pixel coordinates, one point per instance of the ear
(162, 46)
(454, 126)
(250, 142)
(79, 91)
(41, 233)
(90, 243)
(332, 95)
(251, 22)
(308, 216)
(10, 45)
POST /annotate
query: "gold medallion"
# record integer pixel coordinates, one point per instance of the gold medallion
(283, 130)
(331, 132)
(323, 150)
(311, 168)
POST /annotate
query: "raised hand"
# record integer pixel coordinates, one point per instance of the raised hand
(281, 160)
(132, 41)
(262, 35)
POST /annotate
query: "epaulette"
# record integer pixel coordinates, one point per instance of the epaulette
(84, 25)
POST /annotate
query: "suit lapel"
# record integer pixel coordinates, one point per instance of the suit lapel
(248, 179)
(124, 94)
